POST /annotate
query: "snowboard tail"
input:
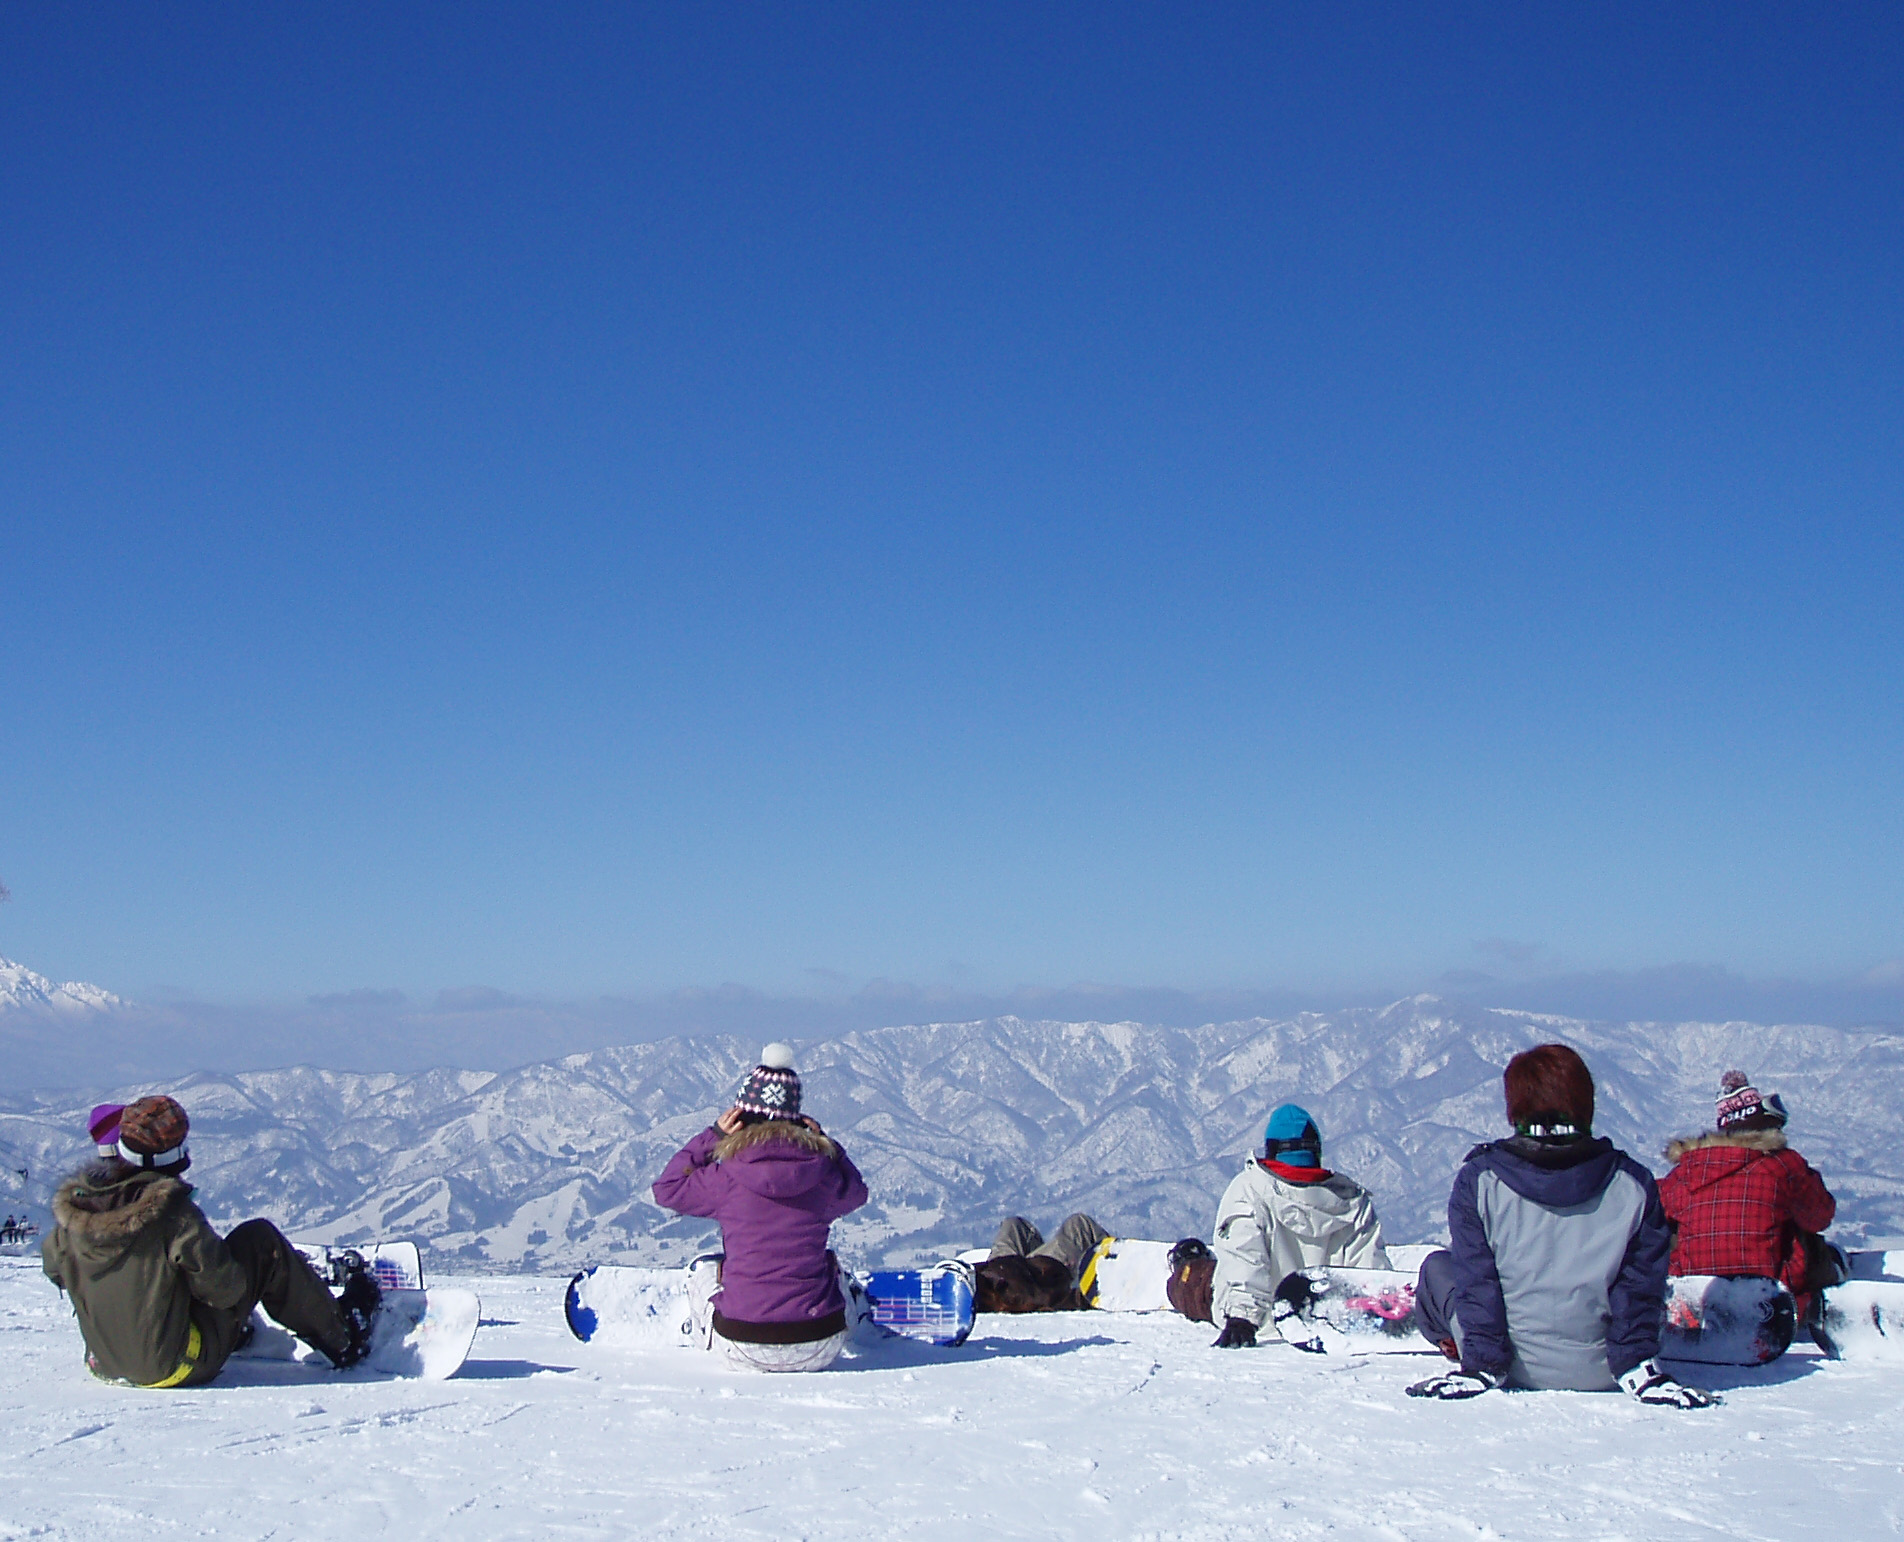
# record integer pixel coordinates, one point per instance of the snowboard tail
(424, 1333)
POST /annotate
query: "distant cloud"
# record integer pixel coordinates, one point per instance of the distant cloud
(475, 998)
(479, 1027)
(360, 998)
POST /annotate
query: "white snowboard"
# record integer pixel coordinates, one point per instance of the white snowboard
(634, 1308)
(424, 1333)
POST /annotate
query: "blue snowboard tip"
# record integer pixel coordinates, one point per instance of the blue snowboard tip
(582, 1320)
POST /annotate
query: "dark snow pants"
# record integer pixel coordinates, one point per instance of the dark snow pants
(279, 1280)
(1434, 1298)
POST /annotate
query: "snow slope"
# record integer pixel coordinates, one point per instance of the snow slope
(1086, 1425)
(958, 1125)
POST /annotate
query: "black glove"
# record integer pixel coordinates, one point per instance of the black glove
(1455, 1385)
(1238, 1333)
(1647, 1382)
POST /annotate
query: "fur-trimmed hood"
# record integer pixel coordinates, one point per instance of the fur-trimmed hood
(749, 1136)
(1764, 1142)
(112, 1202)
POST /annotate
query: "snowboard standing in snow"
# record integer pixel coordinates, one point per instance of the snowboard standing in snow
(424, 1333)
(414, 1332)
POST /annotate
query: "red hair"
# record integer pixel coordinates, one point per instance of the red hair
(1549, 1084)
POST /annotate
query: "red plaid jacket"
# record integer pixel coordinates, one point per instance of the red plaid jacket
(1740, 1201)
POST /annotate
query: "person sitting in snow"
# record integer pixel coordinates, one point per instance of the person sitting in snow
(1742, 1202)
(1555, 1275)
(1083, 1266)
(1285, 1212)
(776, 1182)
(161, 1298)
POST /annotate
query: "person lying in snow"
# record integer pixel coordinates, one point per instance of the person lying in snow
(162, 1299)
(1083, 1266)
(776, 1183)
(1282, 1213)
(1555, 1275)
(1742, 1202)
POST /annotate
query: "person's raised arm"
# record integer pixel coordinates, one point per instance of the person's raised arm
(692, 1182)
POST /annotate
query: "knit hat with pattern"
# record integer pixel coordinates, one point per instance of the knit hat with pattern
(772, 1088)
(1740, 1106)
(152, 1134)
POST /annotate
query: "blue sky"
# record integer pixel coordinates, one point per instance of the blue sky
(613, 499)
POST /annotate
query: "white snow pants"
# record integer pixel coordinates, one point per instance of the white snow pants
(704, 1278)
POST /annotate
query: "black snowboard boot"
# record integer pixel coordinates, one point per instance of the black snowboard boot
(358, 1302)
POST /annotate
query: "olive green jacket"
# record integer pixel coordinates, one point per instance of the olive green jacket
(134, 1252)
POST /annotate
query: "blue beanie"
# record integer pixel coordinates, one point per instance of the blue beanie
(1292, 1136)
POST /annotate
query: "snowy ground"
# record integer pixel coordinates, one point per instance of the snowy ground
(1084, 1425)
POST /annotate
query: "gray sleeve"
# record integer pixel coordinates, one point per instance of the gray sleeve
(1243, 1285)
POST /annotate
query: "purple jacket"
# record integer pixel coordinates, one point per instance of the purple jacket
(775, 1188)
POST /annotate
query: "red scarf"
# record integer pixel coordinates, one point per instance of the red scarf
(1295, 1174)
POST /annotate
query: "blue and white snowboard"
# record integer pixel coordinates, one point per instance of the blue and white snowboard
(936, 1305)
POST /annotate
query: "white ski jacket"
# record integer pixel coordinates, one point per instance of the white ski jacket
(1267, 1228)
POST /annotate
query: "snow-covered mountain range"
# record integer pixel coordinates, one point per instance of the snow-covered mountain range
(21, 990)
(957, 1125)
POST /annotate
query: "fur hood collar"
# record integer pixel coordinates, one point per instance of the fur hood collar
(1765, 1142)
(111, 1202)
(748, 1136)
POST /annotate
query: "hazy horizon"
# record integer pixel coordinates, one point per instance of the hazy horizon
(483, 1028)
